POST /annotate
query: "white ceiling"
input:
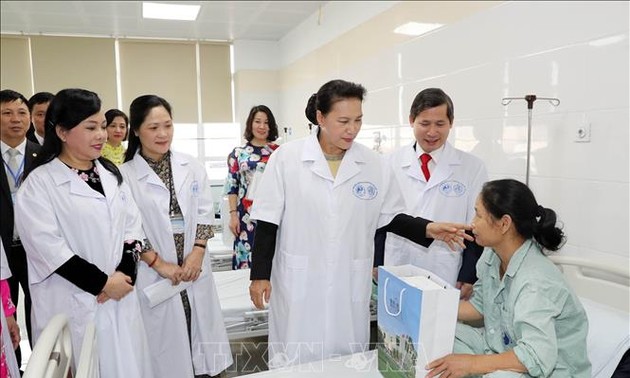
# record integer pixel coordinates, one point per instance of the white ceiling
(217, 20)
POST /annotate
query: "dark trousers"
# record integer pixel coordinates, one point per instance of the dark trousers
(19, 276)
(623, 369)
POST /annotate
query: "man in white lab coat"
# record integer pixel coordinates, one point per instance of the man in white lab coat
(438, 182)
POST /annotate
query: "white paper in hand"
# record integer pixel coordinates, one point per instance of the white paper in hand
(164, 289)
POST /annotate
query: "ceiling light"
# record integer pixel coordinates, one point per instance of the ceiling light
(416, 28)
(170, 11)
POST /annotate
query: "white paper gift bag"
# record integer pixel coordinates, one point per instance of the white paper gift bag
(417, 314)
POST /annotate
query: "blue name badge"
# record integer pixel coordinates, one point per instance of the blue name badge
(177, 224)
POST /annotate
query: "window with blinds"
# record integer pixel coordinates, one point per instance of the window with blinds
(194, 77)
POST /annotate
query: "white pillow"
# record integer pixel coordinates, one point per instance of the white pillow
(608, 336)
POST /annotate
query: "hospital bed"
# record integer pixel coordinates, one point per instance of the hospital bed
(242, 319)
(604, 290)
(219, 249)
(52, 354)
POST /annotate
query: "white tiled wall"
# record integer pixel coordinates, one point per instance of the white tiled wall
(574, 51)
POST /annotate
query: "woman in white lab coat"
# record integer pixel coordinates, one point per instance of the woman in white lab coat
(321, 199)
(81, 231)
(188, 336)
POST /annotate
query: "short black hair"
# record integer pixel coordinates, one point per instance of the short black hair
(39, 98)
(431, 98)
(9, 95)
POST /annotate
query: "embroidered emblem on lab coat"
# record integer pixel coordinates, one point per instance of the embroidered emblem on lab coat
(194, 188)
(365, 190)
(452, 188)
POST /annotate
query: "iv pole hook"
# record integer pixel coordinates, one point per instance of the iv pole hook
(530, 106)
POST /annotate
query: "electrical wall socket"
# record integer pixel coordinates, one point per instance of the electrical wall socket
(583, 133)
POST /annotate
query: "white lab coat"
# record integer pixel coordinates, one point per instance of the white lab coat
(322, 267)
(166, 322)
(58, 216)
(449, 196)
(7, 344)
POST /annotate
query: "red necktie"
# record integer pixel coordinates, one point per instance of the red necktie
(424, 158)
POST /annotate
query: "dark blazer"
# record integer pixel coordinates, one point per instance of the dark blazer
(6, 204)
(30, 135)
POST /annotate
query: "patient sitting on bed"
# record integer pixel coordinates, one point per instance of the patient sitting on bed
(534, 325)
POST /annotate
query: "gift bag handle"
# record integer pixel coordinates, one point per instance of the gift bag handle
(399, 299)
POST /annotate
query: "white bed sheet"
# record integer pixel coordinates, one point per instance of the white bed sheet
(364, 365)
(217, 246)
(233, 289)
(608, 337)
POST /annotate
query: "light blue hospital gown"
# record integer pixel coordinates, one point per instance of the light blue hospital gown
(531, 310)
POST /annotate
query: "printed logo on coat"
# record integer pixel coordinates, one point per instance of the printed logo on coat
(365, 190)
(194, 187)
(452, 188)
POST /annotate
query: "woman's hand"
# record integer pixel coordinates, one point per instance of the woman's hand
(117, 286)
(102, 298)
(235, 224)
(14, 331)
(169, 270)
(453, 234)
(463, 365)
(452, 366)
(260, 292)
(191, 268)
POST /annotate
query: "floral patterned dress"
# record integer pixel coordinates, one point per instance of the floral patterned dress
(243, 162)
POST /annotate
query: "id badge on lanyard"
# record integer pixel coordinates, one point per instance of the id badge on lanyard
(177, 224)
(15, 176)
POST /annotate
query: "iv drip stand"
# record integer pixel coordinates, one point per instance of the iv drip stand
(530, 106)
